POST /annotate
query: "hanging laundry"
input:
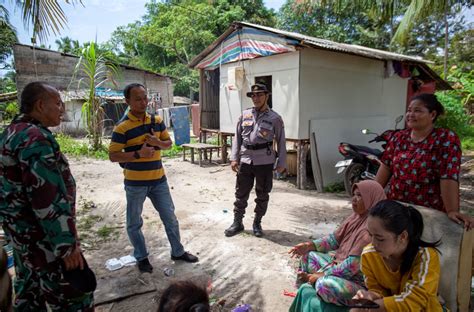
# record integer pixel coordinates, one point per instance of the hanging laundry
(166, 117)
(196, 119)
(401, 69)
(160, 113)
(180, 119)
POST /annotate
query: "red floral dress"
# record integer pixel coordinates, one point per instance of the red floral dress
(417, 168)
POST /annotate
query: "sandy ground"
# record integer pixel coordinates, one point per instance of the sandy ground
(242, 269)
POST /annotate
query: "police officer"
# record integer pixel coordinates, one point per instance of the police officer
(37, 210)
(254, 158)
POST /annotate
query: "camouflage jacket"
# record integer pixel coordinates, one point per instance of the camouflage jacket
(37, 194)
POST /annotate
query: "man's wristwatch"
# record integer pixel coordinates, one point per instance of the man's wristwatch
(136, 155)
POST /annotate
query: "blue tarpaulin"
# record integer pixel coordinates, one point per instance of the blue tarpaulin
(180, 119)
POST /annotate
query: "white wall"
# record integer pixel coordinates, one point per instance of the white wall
(339, 95)
(284, 69)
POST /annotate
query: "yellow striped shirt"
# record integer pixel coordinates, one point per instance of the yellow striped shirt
(128, 136)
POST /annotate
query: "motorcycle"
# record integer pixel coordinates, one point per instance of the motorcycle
(362, 162)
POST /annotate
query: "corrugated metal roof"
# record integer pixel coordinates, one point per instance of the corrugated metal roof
(181, 100)
(339, 47)
(318, 43)
(75, 56)
(83, 94)
(9, 96)
(315, 43)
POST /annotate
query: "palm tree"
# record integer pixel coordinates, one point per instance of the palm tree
(64, 44)
(414, 10)
(68, 45)
(45, 16)
(7, 36)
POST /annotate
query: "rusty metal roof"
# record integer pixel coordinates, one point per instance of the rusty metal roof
(339, 47)
(318, 43)
(75, 56)
(315, 43)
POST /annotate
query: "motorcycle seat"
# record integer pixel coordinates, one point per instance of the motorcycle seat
(368, 150)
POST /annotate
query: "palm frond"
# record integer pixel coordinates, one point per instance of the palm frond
(45, 16)
(417, 10)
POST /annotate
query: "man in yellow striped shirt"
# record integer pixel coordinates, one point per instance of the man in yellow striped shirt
(136, 143)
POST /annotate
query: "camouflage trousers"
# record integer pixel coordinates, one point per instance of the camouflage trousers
(36, 288)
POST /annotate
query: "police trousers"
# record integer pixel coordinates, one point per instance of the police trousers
(263, 177)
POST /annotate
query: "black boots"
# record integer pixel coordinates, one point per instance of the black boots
(257, 226)
(236, 227)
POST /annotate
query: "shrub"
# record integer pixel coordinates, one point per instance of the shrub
(11, 109)
(77, 148)
(454, 101)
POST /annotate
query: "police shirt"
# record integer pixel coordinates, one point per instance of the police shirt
(255, 128)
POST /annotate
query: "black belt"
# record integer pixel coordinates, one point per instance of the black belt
(258, 146)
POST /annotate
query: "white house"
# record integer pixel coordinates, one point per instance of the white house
(325, 91)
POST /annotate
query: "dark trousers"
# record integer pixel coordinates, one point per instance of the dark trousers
(263, 176)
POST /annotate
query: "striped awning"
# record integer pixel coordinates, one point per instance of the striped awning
(247, 43)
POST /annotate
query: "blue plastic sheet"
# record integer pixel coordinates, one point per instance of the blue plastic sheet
(180, 120)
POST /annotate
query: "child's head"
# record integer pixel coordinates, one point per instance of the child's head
(184, 296)
(396, 231)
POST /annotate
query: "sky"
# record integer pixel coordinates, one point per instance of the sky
(96, 18)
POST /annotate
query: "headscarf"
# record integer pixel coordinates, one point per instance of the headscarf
(352, 234)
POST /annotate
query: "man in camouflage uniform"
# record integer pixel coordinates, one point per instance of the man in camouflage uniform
(37, 207)
(253, 157)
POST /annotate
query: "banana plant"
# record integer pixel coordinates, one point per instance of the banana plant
(95, 70)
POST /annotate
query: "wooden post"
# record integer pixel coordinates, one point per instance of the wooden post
(223, 148)
(301, 156)
(298, 165)
(192, 155)
(200, 157)
(304, 156)
(184, 153)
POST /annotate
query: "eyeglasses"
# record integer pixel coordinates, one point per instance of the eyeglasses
(257, 94)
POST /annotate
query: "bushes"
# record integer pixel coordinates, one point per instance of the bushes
(77, 148)
(10, 109)
(456, 117)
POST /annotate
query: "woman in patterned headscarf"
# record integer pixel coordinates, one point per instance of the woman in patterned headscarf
(331, 265)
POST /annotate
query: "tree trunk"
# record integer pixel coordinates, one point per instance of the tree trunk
(446, 39)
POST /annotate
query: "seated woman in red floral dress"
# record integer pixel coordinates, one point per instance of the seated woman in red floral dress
(423, 162)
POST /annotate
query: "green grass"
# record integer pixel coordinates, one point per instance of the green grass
(74, 147)
(86, 223)
(174, 151)
(77, 148)
(336, 187)
(105, 232)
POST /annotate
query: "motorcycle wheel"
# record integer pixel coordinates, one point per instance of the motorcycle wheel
(353, 175)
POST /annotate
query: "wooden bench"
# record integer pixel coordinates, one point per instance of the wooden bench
(200, 147)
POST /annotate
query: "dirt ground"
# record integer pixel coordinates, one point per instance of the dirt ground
(242, 269)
